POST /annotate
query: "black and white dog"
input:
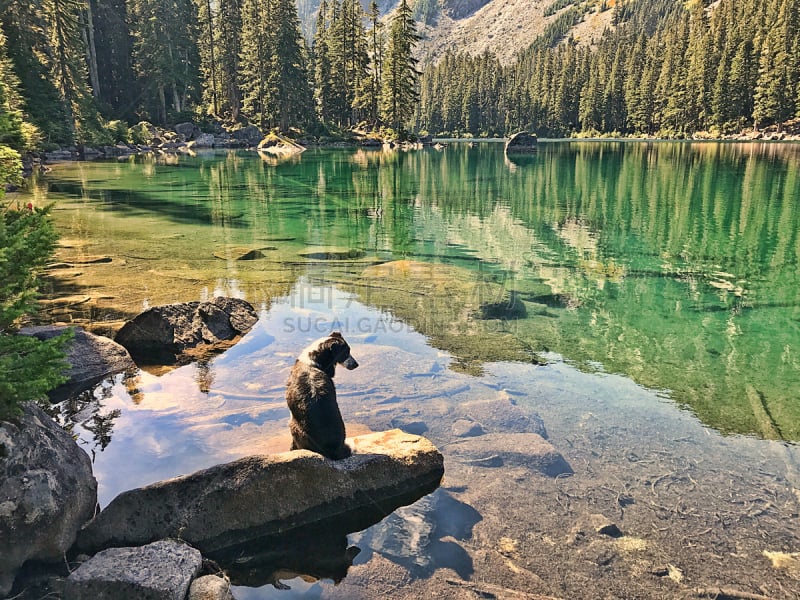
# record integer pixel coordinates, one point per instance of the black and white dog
(316, 423)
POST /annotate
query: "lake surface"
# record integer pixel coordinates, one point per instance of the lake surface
(651, 289)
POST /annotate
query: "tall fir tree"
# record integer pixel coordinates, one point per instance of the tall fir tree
(165, 55)
(113, 50)
(229, 47)
(400, 75)
(257, 49)
(209, 66)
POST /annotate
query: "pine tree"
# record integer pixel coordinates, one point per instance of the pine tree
(273, 74)
(165, 54)
(209, 67)
(370, 93)
(29, 368)
(399, 91)
(324, 88)
(255, 59)
(228, 36)
(113, 51)
(289, 97)
(11, 133)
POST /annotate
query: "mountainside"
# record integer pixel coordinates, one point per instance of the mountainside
(503, 27)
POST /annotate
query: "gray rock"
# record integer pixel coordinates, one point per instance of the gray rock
(47, 491)
(91, 359)
(258, 496)
(210, 587)
(522, 142)
(502, 415)
(251, 135)
(519, 449)
(467, 428)
(163, 333)
(189, 131)
(413, 426)
(604, 526)
(204, 140)
(162, 570)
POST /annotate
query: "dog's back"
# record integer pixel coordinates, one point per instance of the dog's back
(316, 422)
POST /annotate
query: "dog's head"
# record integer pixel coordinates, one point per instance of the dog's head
(327, 352)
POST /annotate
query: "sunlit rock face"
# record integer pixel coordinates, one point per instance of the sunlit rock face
(260, 496)
(176, 332)
(91, 359)
(47, 491)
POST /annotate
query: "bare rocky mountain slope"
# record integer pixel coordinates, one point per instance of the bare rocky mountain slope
(504, 27)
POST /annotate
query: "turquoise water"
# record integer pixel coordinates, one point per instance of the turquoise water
(674, 264)
(643, 298)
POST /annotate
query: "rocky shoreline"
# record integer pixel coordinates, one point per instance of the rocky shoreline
(186, 138)
(157, 541)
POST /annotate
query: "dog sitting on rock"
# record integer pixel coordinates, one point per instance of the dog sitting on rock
(316, 423)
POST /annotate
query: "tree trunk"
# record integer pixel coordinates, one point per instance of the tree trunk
(163, 101)
(214, 101)
(87, 32)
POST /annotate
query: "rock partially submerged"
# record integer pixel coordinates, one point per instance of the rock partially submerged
(162, 570)
(47, 491)
(278, 144)
(164, 334)
(260, 496)
(91, 359)
(522, 142)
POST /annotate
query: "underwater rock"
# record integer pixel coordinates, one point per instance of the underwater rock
(91, 359)
(160, 335)
(502, 415)
(260, 496)
(521, 449)
(509, 308)
(47, 491)
(334, 254)
(162, 570)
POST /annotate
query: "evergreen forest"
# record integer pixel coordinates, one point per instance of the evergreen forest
(85, 71)
(666, 68)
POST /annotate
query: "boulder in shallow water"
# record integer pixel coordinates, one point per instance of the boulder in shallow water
(91, 359)
(162, 570)
(522, 142)
(518, 449)
(260, 496)
(47, 491)
(162, 334)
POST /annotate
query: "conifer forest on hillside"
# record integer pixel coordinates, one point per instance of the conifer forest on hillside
(73, 71)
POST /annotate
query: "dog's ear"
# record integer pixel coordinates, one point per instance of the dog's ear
(336, 334)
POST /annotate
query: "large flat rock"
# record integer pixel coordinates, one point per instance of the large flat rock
(260, 496)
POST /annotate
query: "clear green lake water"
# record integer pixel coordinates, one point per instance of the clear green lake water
(660, 280)
(674, 264)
